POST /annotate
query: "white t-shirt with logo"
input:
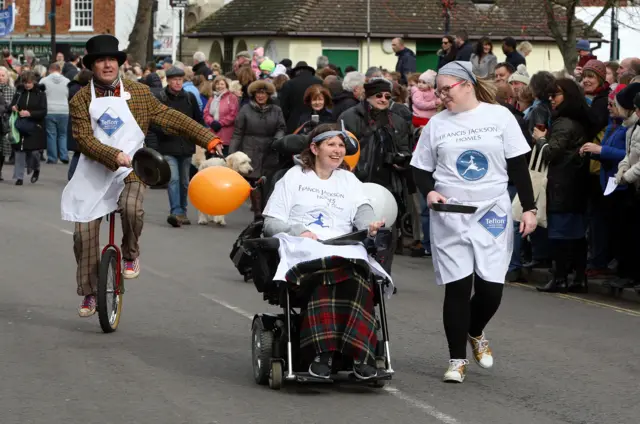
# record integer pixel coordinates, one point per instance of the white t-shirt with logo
(325, 207)
(468, 151)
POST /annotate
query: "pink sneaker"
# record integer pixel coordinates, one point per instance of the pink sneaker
(87, 306)
(131, 269)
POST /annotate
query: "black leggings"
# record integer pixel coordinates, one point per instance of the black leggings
(465, 315)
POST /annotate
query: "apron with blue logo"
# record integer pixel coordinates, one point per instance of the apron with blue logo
(481, 242)
(94, 190)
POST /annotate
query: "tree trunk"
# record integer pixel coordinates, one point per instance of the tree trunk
(140, 33)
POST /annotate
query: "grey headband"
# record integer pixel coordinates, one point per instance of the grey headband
(459, 69)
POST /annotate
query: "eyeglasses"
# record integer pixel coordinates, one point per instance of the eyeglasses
(445, 90)
(445, 42)
(387, 96)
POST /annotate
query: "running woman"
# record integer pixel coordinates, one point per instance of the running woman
(467, 154)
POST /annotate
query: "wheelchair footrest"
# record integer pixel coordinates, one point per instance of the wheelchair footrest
(382, 375)
(305, 377)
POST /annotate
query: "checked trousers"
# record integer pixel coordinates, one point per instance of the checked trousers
(86, 238)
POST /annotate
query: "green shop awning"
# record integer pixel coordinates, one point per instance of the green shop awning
(42, 46)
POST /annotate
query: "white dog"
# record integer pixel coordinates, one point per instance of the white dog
(238, 161)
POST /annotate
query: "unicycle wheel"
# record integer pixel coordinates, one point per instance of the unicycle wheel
(109, 304)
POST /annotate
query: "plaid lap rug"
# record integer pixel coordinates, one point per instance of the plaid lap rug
(340, 314)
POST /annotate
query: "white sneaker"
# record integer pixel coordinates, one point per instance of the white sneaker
(131, 269)
(481, 351)
(457, 371)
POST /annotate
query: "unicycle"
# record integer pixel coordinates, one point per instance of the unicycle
(110, 282)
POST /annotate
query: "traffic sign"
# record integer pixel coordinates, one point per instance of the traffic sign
(178, 3)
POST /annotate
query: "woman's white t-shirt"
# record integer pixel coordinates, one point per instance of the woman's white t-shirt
(468, 151)
(324, 207)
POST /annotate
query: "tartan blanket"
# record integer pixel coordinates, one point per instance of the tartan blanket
(340, 313)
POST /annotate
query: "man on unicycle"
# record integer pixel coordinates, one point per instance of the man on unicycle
(110, 117)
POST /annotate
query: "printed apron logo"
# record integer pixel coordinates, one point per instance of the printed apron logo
(110, 122)
(472, 165)
(319, 219)
(493, 222)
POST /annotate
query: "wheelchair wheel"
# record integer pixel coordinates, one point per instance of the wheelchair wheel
(275, 375)
(406, 224)
(261, 351)
(109, 305)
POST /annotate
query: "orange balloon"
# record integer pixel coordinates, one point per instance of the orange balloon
(353, 159)
(218, 190)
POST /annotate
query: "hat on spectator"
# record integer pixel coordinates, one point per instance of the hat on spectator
(597, 67)
(628, 97)
(428, 77)
(267, 66)
(263, 85)
(244, 54)
(583, 45)
(520, 75)
(377, 85)
(173, 72)
(614, 93)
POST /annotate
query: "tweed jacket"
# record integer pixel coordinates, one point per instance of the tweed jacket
(146, 109)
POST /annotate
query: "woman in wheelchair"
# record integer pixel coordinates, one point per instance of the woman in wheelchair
(319, 198)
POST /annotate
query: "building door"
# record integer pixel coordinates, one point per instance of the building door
(427, 55)
(342, 58)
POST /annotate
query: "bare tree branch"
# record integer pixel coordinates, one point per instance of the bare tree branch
(607, 6)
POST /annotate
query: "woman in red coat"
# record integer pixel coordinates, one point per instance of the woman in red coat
(221, 111)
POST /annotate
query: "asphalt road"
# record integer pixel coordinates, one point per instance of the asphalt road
(182, 351)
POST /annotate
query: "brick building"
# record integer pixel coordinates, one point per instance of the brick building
(76, 22)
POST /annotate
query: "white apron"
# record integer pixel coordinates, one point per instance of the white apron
(294, 250)
(481, 242)
(94, 190)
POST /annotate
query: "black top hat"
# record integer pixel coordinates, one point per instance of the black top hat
(104, 45)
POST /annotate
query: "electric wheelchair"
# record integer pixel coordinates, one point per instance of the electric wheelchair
(275, 337)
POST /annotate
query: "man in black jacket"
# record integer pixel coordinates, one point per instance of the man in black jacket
(176, 150)
(292, 94)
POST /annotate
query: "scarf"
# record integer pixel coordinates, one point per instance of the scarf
(214, 109)
(107, 90)
(528, 110)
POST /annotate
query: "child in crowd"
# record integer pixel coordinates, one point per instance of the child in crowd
(423, 99)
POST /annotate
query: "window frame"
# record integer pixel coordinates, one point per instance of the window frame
(72, 21)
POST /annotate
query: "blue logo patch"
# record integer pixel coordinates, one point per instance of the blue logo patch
(110, 122)
(472, 165)
(318, 219)
(494, 223)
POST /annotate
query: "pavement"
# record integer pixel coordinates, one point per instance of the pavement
(182, 351)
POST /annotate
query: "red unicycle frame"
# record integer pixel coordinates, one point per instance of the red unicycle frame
(110, 282)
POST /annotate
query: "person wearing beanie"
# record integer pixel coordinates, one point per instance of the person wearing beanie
(596, 91)
(266, 68)
(584, 55)
(623, 204)
(466, 155)
(519, 79)
(423, 99)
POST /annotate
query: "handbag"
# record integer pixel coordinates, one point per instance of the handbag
(14, 134)
(538, 171)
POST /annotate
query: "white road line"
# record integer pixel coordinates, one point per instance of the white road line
(228, 306)
(425, 407)
(66, 231)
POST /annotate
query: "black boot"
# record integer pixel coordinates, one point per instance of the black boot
(556, 285)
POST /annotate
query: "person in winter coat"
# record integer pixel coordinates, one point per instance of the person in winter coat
(6, 92)
(483, 60)
(74, 86)
(596, 91)
(543, 87)
(465, 47)
(567, 193)
(30, 101)
(177, 150)
(406, 59)
(221, 111)
(245, 76)
(317, 100)
(423, 99)
(292, 94)
(257, 125)
(617, 205)
(352, 93)
(382, 135)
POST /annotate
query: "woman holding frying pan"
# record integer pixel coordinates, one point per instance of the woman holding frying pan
(463, 161)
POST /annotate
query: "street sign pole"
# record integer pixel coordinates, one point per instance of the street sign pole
(52, 16)
(180, 5)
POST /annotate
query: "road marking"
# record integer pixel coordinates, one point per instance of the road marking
(228, 306)
(425, 407)
(586, 301)
(66, 231)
